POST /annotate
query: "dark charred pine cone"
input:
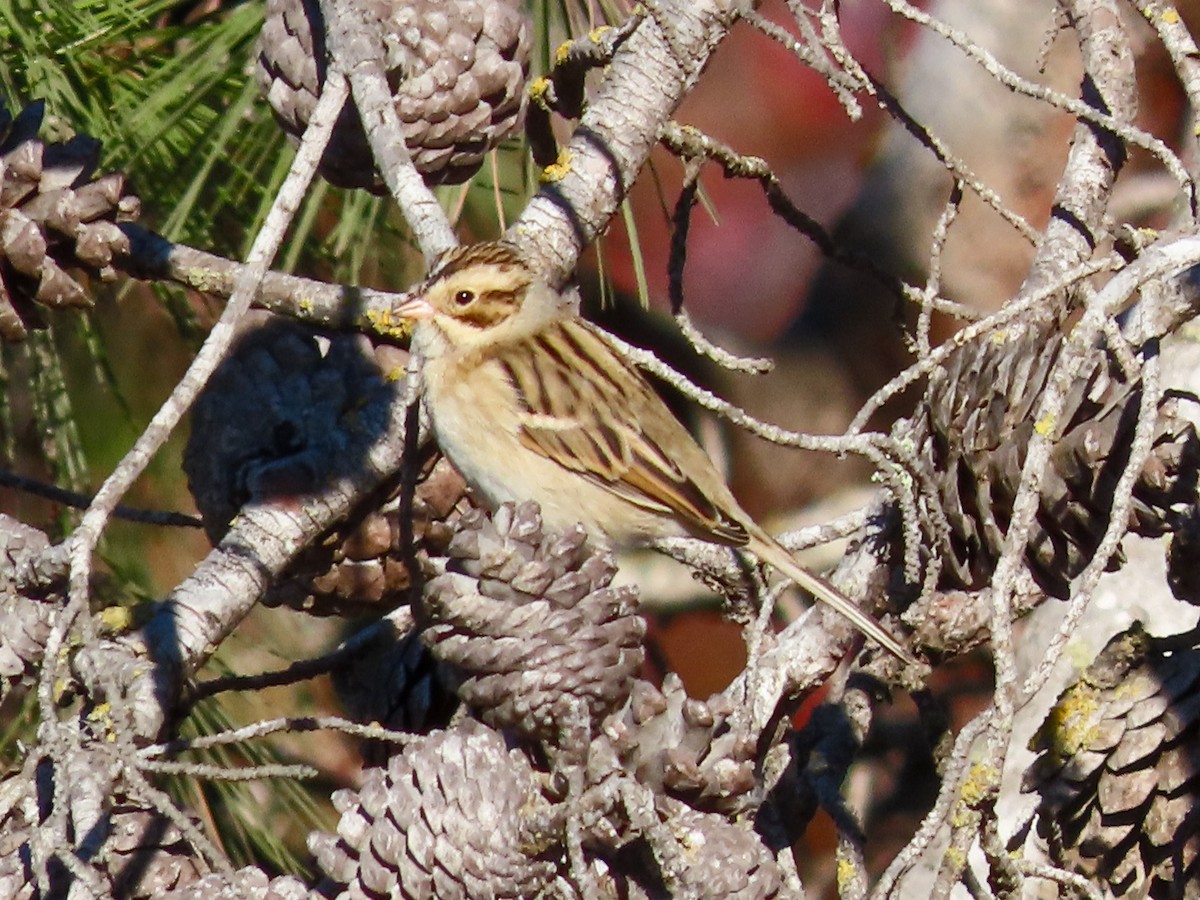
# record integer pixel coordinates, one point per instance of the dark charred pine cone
(278, 422)
(457, 67)
(976, 425)
(684, 747)
(396, 682)
(53, 216)
(1183, 558)
(25, 621)
(449, 817)
(539, 636)
(1118, 776)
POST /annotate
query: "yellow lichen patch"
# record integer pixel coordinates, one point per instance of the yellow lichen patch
(385, 323)
(206, 281)
(955, 857)
(1171, 16)
(558, 169)
(596, 35)
(846, 874)
(981, 780)
(115, 619)
(563, 53)
(1072, 723)
(1045, 425)
(538, 89)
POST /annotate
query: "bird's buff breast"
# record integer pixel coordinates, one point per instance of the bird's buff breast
(476, 423)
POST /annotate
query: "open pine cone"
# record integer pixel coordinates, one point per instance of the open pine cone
(531, 622)
(684, 747)
(1117, 774)
(25, 621)
(975, 428)
(144, 854)
(54, 216)
(450, 816)
(457, 67)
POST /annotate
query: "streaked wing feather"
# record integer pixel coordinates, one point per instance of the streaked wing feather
(561, 423)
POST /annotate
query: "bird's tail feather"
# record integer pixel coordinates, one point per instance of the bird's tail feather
(770, 552)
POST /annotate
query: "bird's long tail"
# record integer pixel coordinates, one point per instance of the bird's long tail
(770, 552)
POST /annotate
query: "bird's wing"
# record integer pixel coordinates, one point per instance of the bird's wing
(586, 409)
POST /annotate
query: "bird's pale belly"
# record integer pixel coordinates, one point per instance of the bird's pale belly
(500, 469)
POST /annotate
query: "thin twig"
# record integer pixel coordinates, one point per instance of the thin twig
(266, 727)
(953, 164)
(864, 444)
(208, 852)
(1034, 869)
(78, 500)
(941, 231)
(230, 773)
(809, 51)
(947, 798)
(751, 365)
(1125, 130)
(843, 526)
(1165, 19)
(399, 621)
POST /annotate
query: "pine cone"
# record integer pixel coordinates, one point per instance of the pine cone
(449, 817)
(722, 859)
(458, 68)
(278, 422)
(16, 875)
(144, 854)
(53, 216)
(696, 855)
(681, 746)
(1117, 776)
(975, 430)
(397, 682)
(25, 621)
(532, 623)
(246, 884)
(360, 567)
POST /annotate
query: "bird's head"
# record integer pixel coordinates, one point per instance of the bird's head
(478, 296)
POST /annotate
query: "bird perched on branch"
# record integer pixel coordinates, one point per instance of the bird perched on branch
(530, 402)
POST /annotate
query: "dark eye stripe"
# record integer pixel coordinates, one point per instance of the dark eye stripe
(488, 309)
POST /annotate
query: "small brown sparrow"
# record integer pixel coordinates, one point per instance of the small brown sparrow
(531, 402)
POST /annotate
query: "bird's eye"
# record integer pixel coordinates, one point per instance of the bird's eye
(464, 298)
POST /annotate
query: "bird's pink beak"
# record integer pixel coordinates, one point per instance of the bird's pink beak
(417, 308)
